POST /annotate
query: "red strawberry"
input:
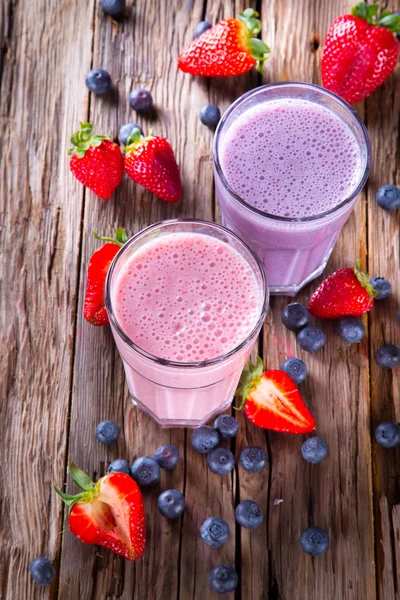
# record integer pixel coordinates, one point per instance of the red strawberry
(360, 52)
(94, 310)
(109, 513)
(150, 162)
(347, 292)
(271, 400)
(96, 161)
(231, 47)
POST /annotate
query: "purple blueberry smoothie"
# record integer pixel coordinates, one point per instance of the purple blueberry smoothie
(290, 161)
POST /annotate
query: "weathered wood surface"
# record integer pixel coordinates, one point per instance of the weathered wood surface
(60, 377)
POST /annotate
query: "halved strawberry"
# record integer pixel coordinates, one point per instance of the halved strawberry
(271, 400)
(94, 310)
(109, 513)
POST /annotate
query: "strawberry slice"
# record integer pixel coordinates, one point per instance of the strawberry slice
(94, 310)
(271, 400)
(109, 513)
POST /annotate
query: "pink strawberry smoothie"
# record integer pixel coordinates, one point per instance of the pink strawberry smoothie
(290, 160)
(185, 310)
(186, 297)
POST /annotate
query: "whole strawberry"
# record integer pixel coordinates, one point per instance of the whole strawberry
(360, 51)
(347, 292)
(231, 47)
(96, 161)
(94, 309)
(109, 513)
(150, 162)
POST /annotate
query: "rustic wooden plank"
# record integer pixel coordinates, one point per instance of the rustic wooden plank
(382, 110)
(335, 495)
(211, 495)
(42, 96)
(99, 385)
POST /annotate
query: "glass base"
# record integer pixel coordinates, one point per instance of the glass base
(292, 290)
(190, 423)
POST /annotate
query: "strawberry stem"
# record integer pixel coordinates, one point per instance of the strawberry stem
(84, 138)
(119, 240)
(374, 16)
(84, 482)
(364, 280)
(259, 50)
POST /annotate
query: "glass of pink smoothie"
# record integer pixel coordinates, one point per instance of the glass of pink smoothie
(186, 301)
(290, 160)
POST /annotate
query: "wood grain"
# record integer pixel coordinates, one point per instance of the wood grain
(382, 115)
(40, 210)
(335, 495)
(60, 376)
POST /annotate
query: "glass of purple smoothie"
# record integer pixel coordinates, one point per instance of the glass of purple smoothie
(290, 160)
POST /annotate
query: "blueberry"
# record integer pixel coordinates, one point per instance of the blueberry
(210, 115)
(145, 471)
(314, 450)
(398, 317)
(42, 570)
(201, 28)
(171, 504)
(388, 197)
(223, 579)
(351, 329)
(167, 456)
(140, 100)
(248, 514)
(227, 426)
(119, 466)
(98, 81)
(126, 131)
(107, 432)
(314, 541)
(220, 461)
(388, 435)
(381, 285)
(204, 439)
(214, 532)
(388, 356)
(296, 368)
(253, 459)
(113, 7)
(311, 338)
(295, 316)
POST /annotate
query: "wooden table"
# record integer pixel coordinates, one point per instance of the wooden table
(60, 376)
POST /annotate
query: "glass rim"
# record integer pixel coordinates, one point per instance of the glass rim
(296, 84)
(164, 361)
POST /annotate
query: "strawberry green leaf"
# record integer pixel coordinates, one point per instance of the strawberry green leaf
(248, 380)
(120, 235)
(69, 500)
(119, 240)
(391, 22)
(81, 479)
(364, 280)
(83, 139)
